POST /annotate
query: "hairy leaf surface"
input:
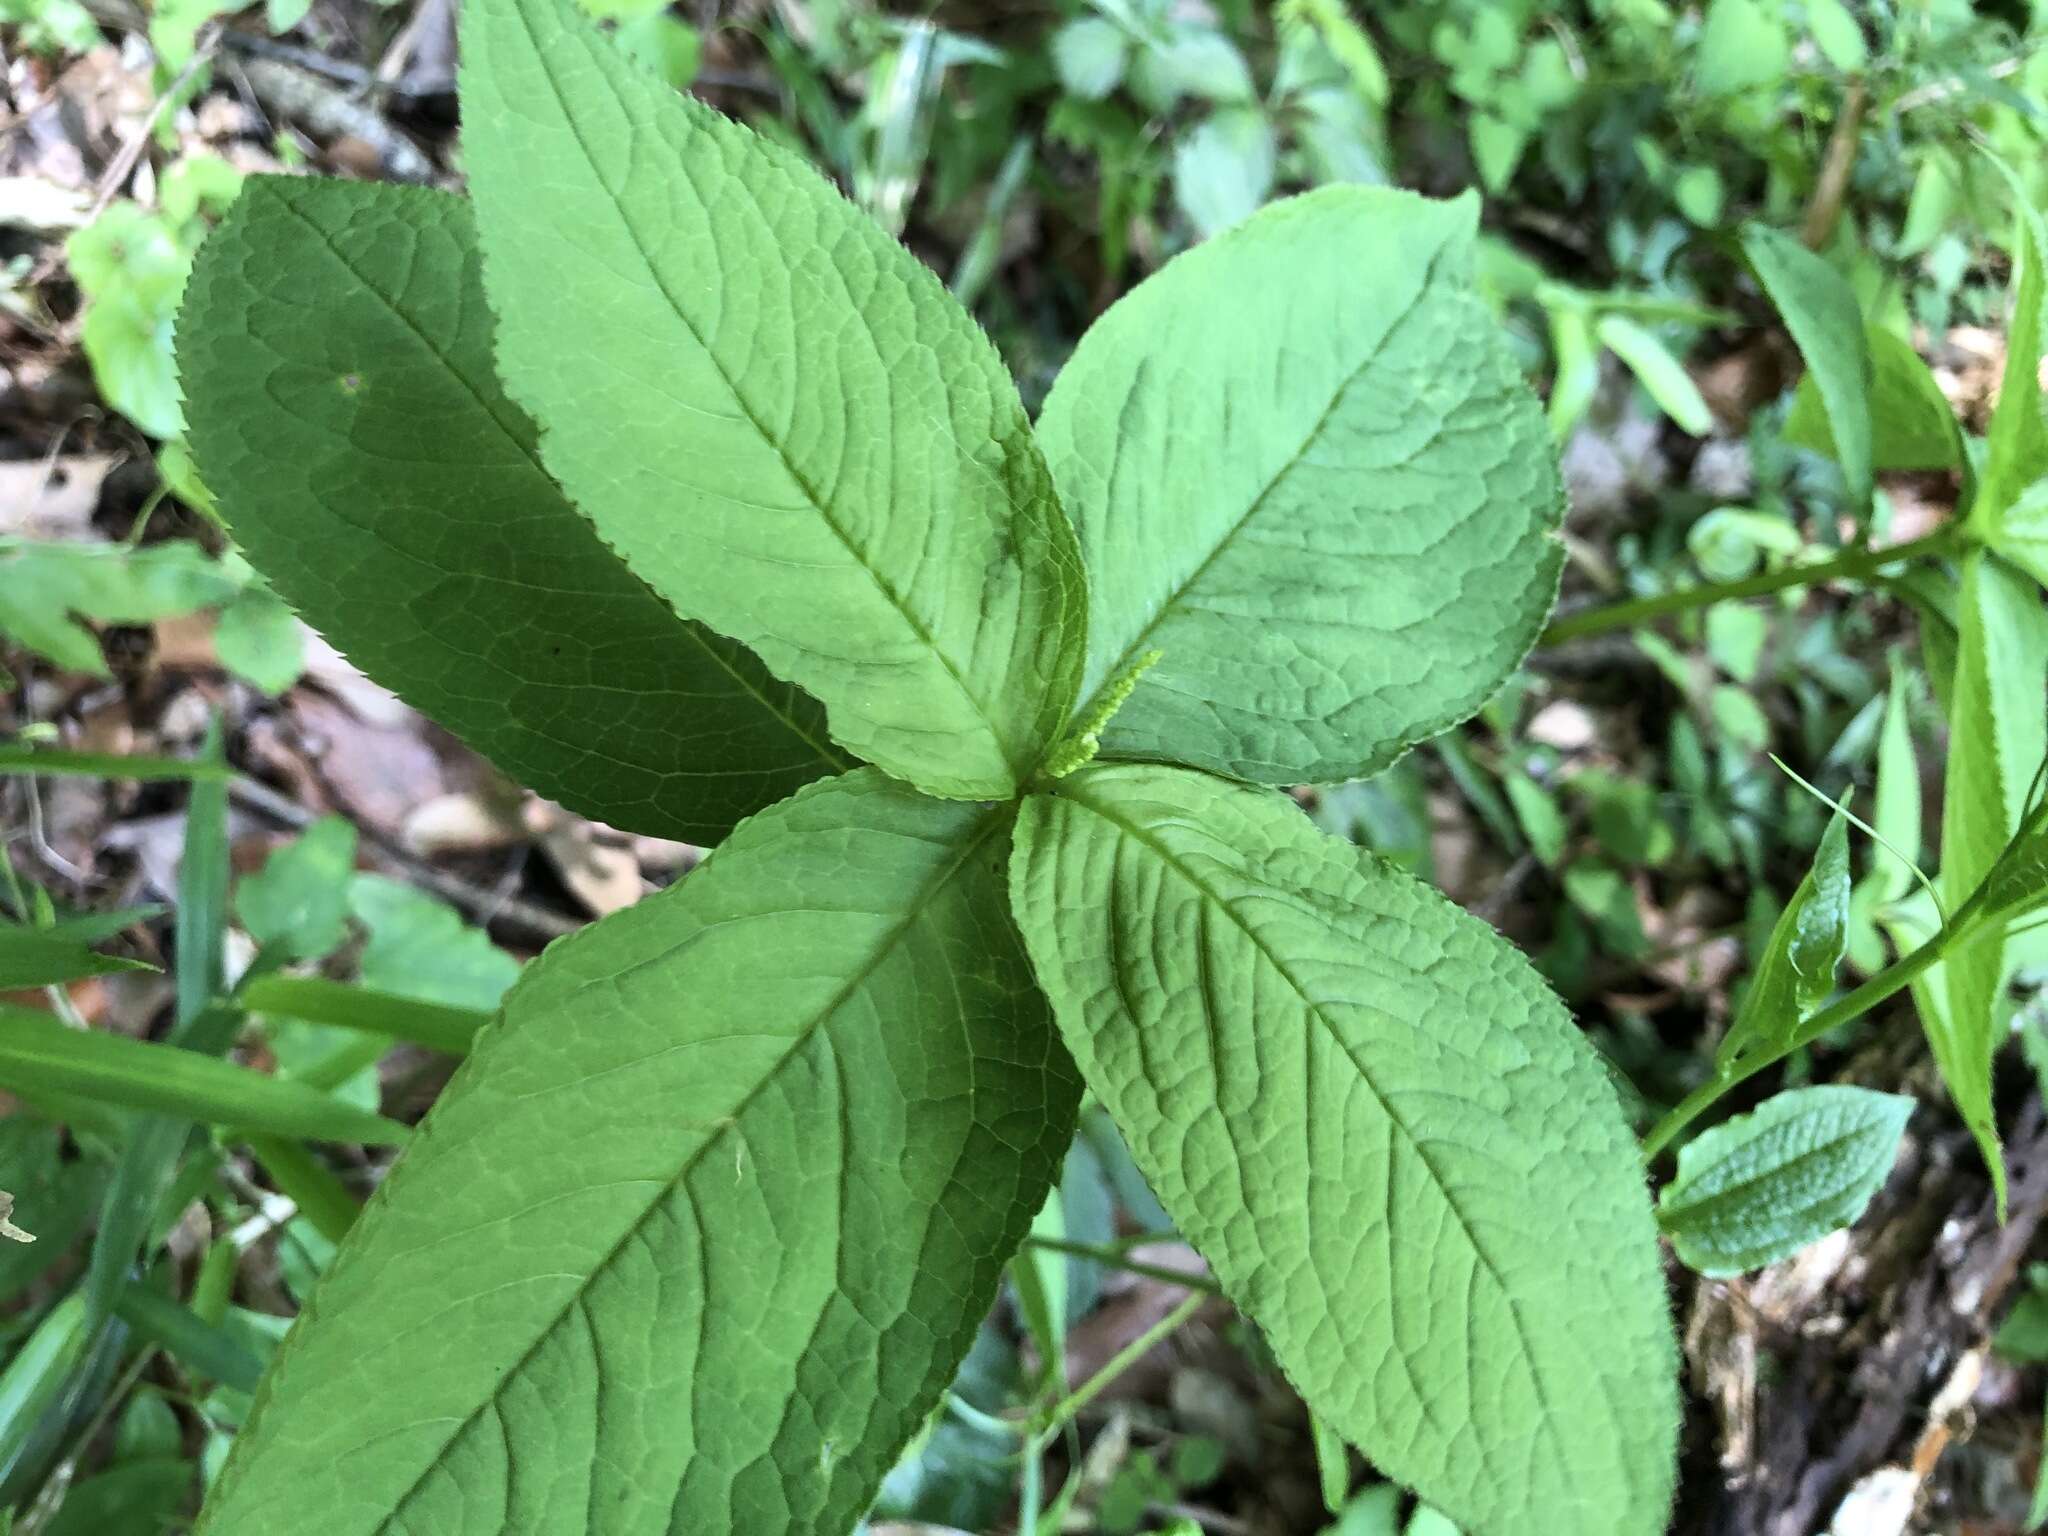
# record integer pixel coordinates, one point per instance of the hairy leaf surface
(1819, 309)
(1303, 466)
(699, 1232)
(1381, 1128)
(770, 408)
(1763, 1185)
(336, 353)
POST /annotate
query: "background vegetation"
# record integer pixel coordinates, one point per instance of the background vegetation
(367, 887)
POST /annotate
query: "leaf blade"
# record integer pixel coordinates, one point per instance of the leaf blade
(373, 468)
(1280, 495)
(745, 1158)
(837, 473)
(1756, 1189)
(1290, 1152)
(1820, 311)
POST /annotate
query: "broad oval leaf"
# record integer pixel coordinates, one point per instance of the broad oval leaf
(698, 1233)
(1302, 465)
(336, 354)
(1758, 1188)
(1819, 309)
(1383, 1131)
(770, 408)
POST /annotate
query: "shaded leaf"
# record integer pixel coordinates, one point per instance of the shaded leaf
(1797, 969)
(336, 351)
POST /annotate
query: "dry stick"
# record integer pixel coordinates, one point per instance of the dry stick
(1829, 191)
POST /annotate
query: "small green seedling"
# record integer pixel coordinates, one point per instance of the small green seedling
(675, 485)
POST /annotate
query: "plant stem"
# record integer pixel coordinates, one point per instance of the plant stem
(1892, 979)
(1071, 1406)
(1114, 1258)
(1850, 565)
(1826, 208)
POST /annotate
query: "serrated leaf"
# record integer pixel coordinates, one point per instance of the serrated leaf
(1819, 309)
(1996, 745)
(1329, 503)
(777, 416)
(1758, 1188)
(336, 352)
(2016, 444)
(1797, 969)
(1912, 423)
(690, 1243)
(1382, 1130)
(2020, 533)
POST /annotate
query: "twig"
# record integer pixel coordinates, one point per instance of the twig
(1833, 186)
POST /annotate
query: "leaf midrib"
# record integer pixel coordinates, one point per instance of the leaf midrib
(884, 947)
(1016, 762)
(1076, 794)
(826, 751)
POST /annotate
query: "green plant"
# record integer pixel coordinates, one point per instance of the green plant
(703, 1225)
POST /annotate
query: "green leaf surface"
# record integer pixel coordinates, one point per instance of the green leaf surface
(2020, 532)
(296, 905)
(419, 947)
(1382, 1130)
(1330, 503)
(1758, 1188)
(38, 1052)
(690, 1243)
(1819, 309)
(336, 351)
(776, 415)
(30, 957)
(1912, 424)
(2016, 444)
(1797, 969)
(1661, 374)
(46, 589)
(1995, 748)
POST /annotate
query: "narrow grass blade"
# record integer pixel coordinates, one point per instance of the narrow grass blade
(433, 1025)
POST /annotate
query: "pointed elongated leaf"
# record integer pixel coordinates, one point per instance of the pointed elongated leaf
(1996, 744)
(1302, 465)
(336, 354)
(37, 1052)
(770, 408)
(2020, 532)
(1762, 1186)
(1797, 968)
(30, 957)
(2016, 445)
(699, 1232)
(1912, 424)
(1819, 309)
(1381, 1128)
